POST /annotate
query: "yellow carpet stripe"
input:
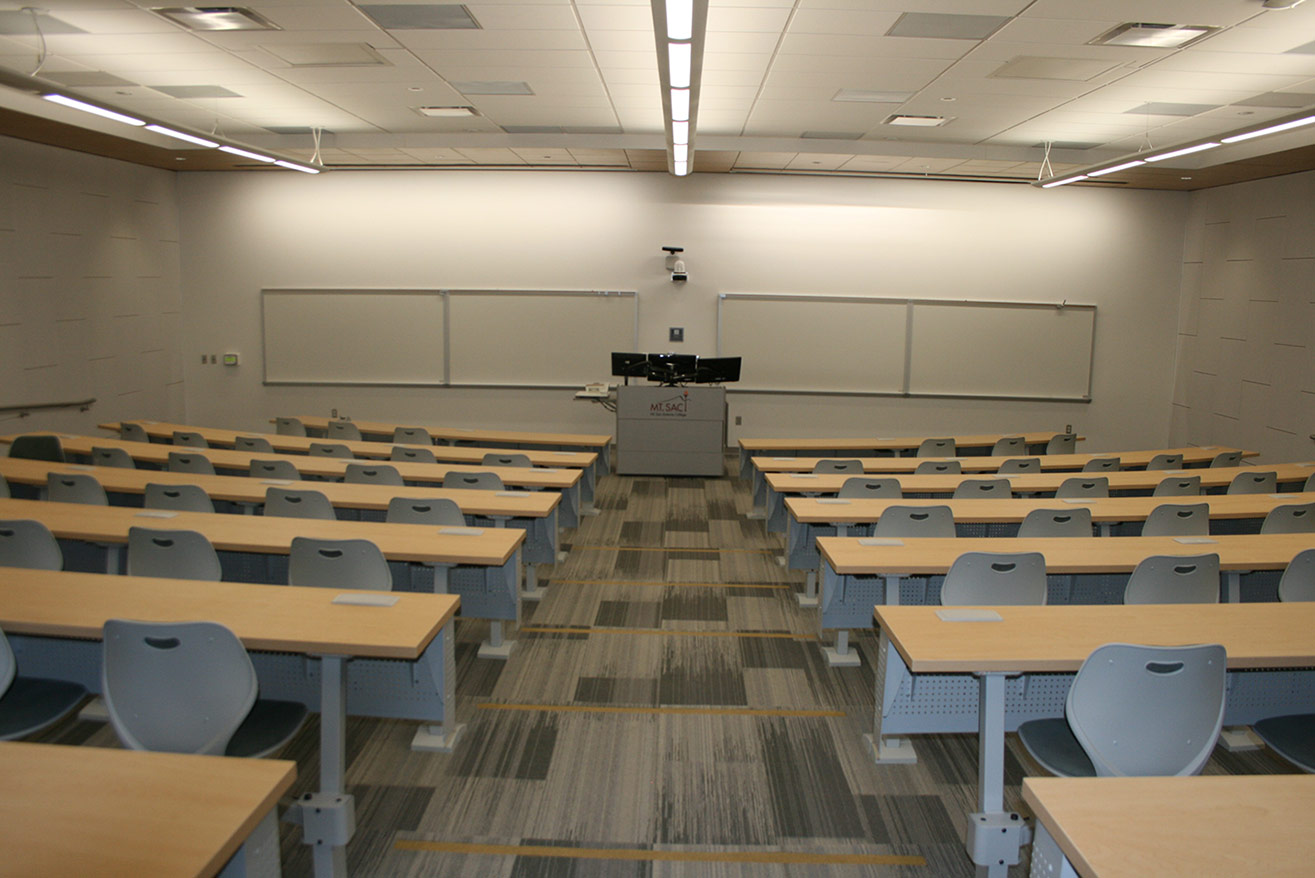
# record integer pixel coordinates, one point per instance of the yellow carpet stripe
(675, 711)
(640, 855)
(673, 584)
(664, 632)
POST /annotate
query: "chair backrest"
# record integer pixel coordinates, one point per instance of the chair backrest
(494, 459)
(4, 488)
(130, 431)
(29, 544)
(176, 554)
(37, 446)
(75, 488)
(1178, 520)
(994, 489)
(184, 498)
(289, 427)
(103, 456)
(1174, 579)
(287, 503)
(330, 449)
(1101, 465)
(273, 469)
(867, 486)
(439, 511)
(1074, 521)
(478, 481)
(938, 467)
(1310, 484)
(1227, 458)
(411, 454)
(915, 521)
(257, 444)
(1178, 486)
(178, 687)
(372, 474)
(189, 439)
(1064, 443)
(1021, 465)
(1079, 486)
(1265, 482)
(1298, 580)
(1009, 445)
(837, 466)
(412, 436)
(1166, 461)
(1148, 710)
(1294, 518)
(354, 564)
(180, 462)
(8, 666)
(995, 578)
(936, 448)
(344, 430)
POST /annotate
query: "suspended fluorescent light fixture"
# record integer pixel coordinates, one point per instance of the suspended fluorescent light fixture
(1116, 168)
(680, 105)
(293, 166)
(182, 135)
(679, 59)
(1272, 129)
(1064, 182)
(74, 103)
(246, 154)
(1187, 150)
(678, 31)
(680, 19)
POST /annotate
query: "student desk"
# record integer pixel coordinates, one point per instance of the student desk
(857, 576)
(262, 545)
(217, 438)
(401, 658)
(979, 443)
(963, 671)
(1135, 481)
(1243, 826)
(601, 443)
(100, 811)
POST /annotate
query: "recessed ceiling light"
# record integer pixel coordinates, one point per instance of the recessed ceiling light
(446, 112)
(213, 18)
(916, 121)
(1149, 35)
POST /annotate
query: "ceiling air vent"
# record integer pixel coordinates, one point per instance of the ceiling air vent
(216, 18)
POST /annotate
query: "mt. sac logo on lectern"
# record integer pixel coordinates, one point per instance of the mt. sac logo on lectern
(671, 407)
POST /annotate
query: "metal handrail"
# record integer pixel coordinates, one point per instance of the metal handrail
(25, 410)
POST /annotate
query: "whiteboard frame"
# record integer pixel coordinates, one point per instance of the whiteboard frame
(910, 304)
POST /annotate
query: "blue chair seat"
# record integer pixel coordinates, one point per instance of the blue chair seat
(268, 726)
(1292, 737)
(32, 703)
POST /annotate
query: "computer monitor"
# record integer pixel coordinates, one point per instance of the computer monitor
(717, 370)
(672, 368)
(629, 365)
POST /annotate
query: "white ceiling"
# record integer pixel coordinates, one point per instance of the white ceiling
(771, 70)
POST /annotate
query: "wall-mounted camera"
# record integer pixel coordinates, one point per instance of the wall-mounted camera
(676, 265)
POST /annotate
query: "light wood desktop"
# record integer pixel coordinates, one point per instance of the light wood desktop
(124, 813)
(981, 655)
(1242, 826)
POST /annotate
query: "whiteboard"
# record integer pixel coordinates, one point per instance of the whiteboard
(537, 338)
(353, 336)
(813, 343)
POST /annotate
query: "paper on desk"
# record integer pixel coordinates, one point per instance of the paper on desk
(782, 458)
(510, 493)
(461, 531)
(833, 501)
(366, 600)
(805, 475)
(276, 481)
(80, 467)
(156, 513)
(1078, 500)
(1194, 541)
(880, 541)
(962, 614)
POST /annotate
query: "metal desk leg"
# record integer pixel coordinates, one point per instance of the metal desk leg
(587, 488)
(328, 817)
(995, 836)
(439, 664)
(506, 579)
(890, 676)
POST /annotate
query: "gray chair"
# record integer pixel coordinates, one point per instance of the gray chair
(285, 503)
(30, 704)
(1009, 445)
(133, 432)
(1293, 518)
(412, 436)
(915, 521)
(37, 446)
(174, 554)
(75, 488)
(830, 466)
(29, 544)
(1072, 522)
(353, 564)
(189, 687)
(1227, 458)
(993, 489)
(344, 431)
(189, 439)
(1310, 484)
(1166, 461)
(1292, 736)
(181, 462)
(1298, 580)
(410, 454)
(1265, 482)
(4, 488)
(938, 467)
(330, 449)
(1065, 443)
(1178, 520)
(476, 481)
(936, 448)
(289, 427)
(181, 498)
(995, 579)
(495, 459)
(1178, 486)
(1174, 579)
(1135, 711)
(109, 456)
(1101, 465)
(868, 486)
(372, 474)
(1020, 465)
(273, 469)
(254, 444)
(440, 512)
(1080, 486)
